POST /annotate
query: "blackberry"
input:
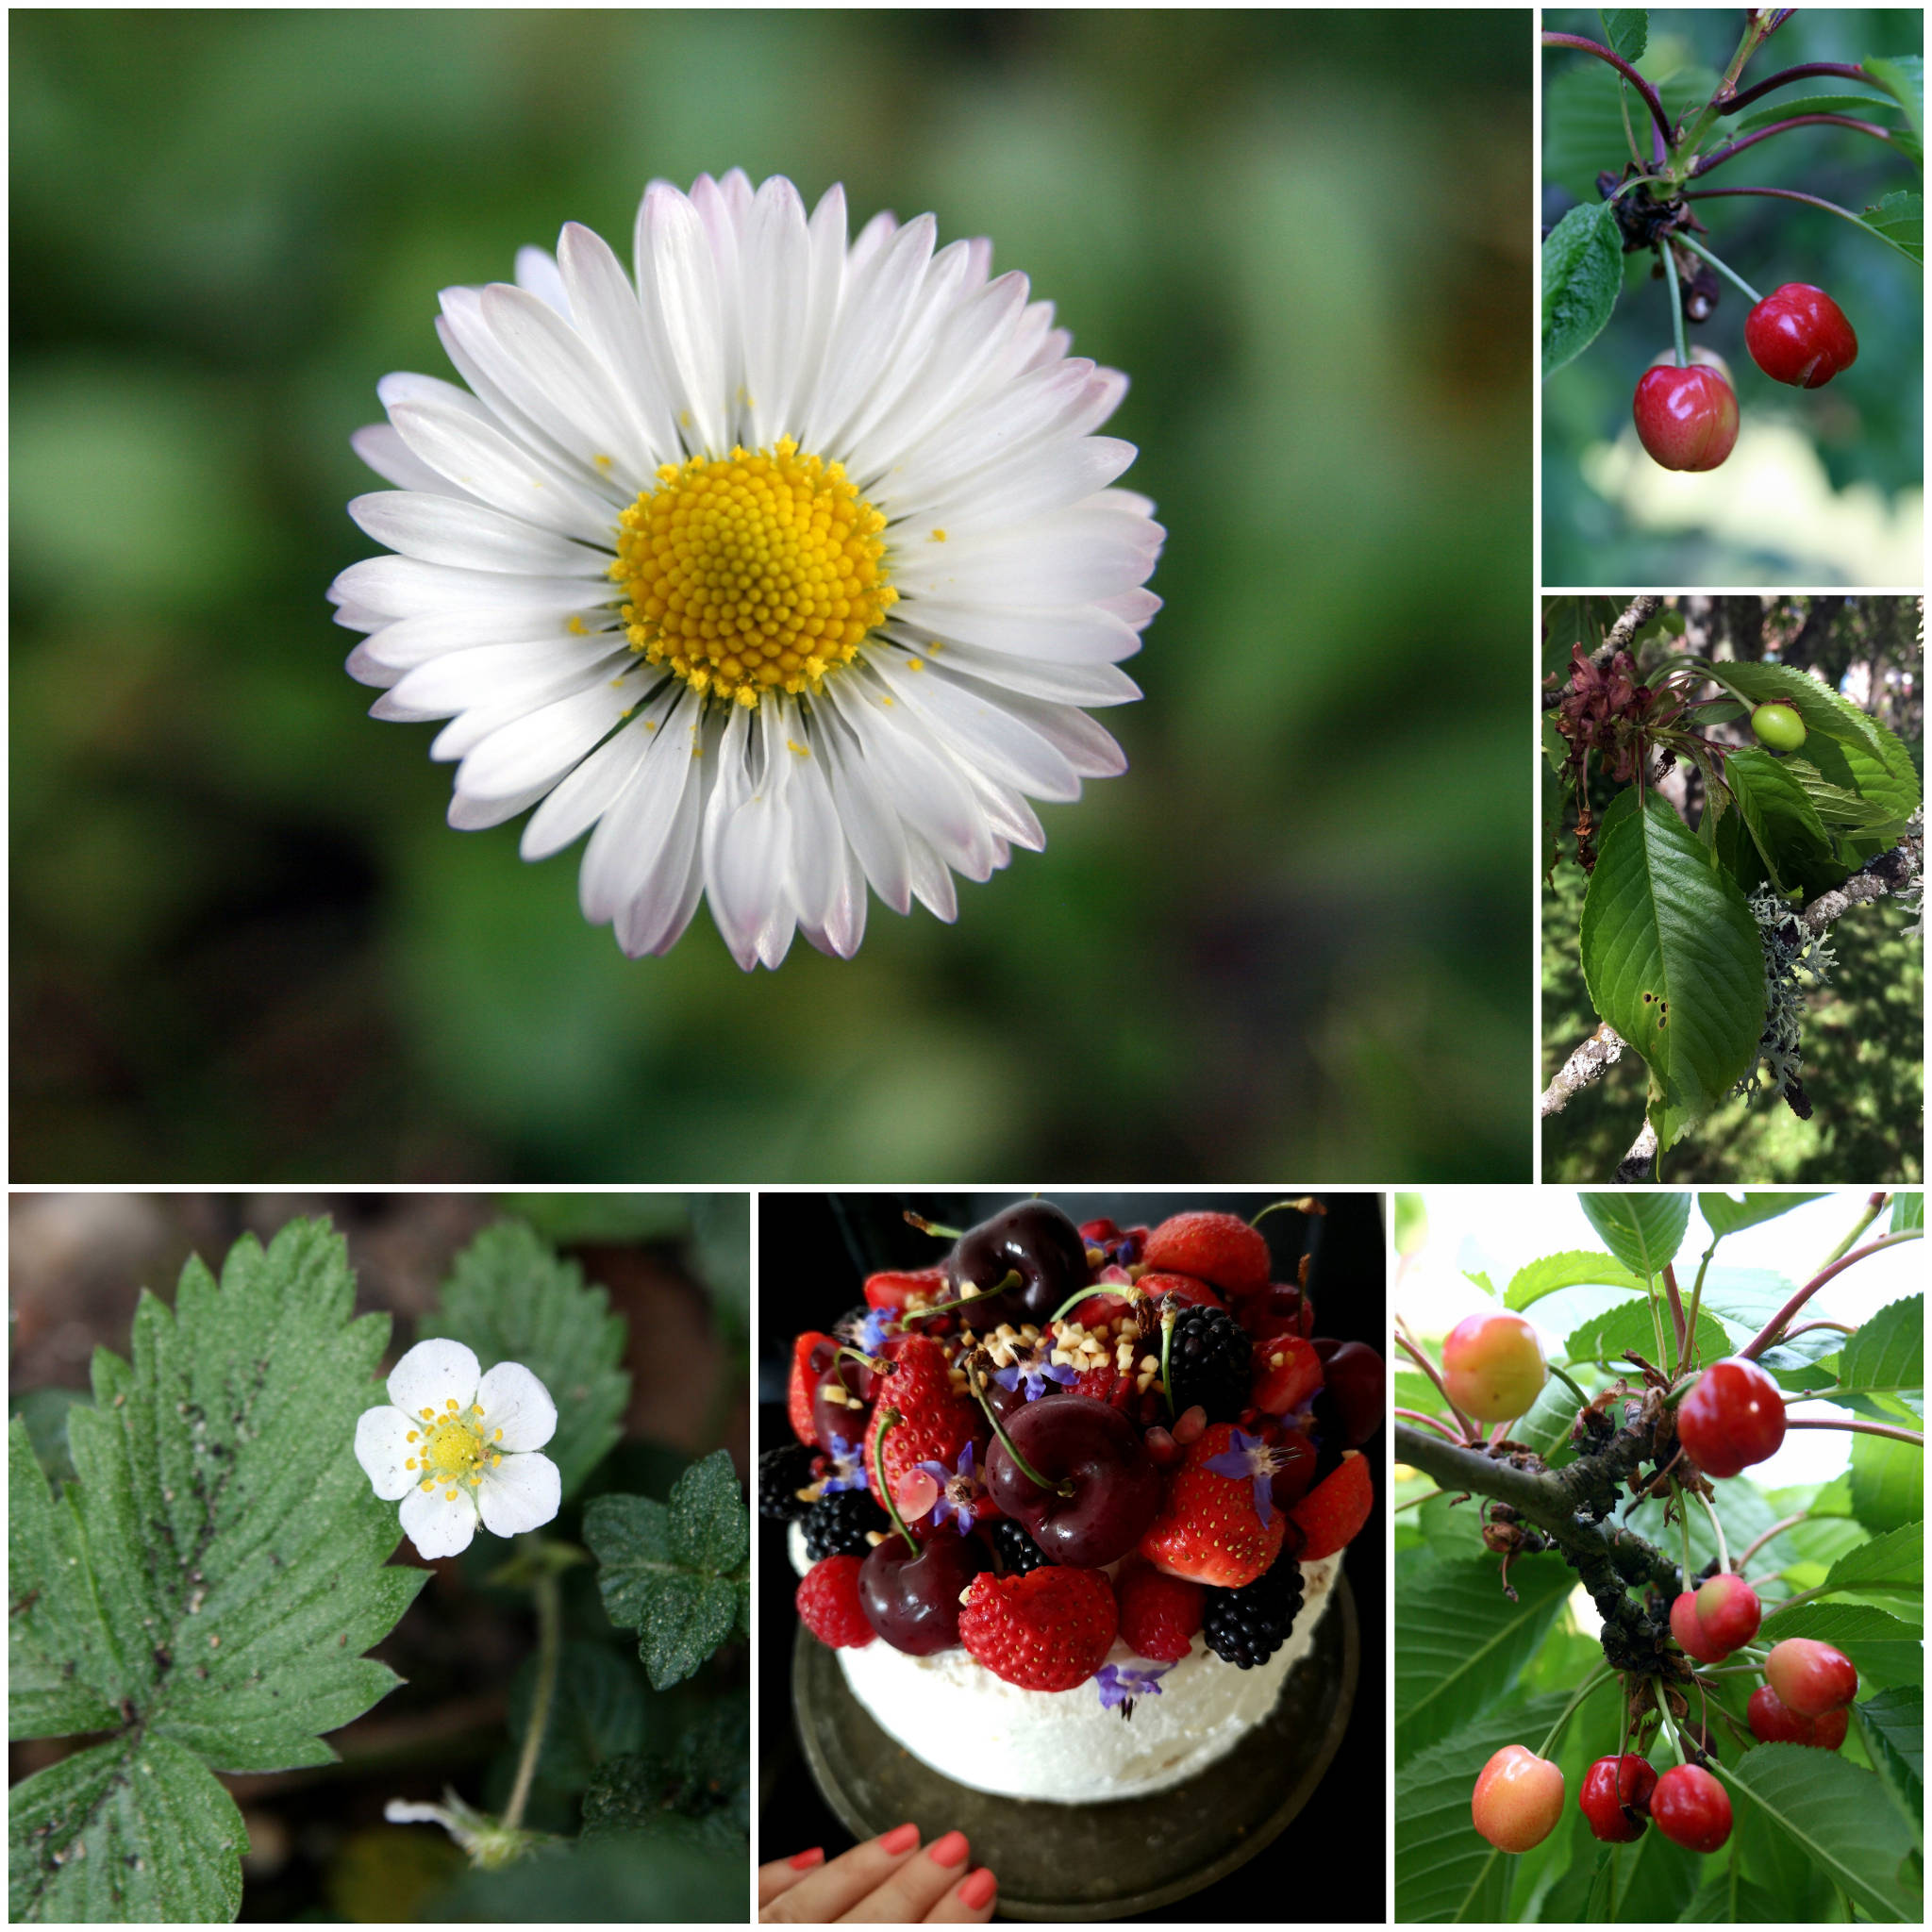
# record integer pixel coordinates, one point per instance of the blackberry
(836, 1526)
(1017, 1553)
(1210, 1362)
(1247, 1626)
(782, 1472)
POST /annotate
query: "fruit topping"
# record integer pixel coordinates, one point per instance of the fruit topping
(1209, 1363)
(828, 1604)
(1220, 1249)
(1032, 1240)
(937, 1421)
(1047, 1630)
(1158, 1614)
(1288, 1369)
(782, 1472)
(1076, 1475)
(911, 1595)
(1013, 1548)
(842, 1525)
(1211, 1527)
(811, 1355)
(1247, 1626)
(1355, 1389)
(1331, 1515)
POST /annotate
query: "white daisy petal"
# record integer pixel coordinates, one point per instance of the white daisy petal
(786, 566)
(439, 1521)
(385, 1439)
(518, 1413)
(520, 1492)
(437, 1375)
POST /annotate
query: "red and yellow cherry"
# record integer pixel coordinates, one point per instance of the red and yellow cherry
(1689, 1631)
(1778, 727)
(1518, 1799)
(1611, 1784)
(1728, 1611)
(1686, 419)
(1691, 1809)
(1493, 1366)
(1799, 335)
(1733, 1417)
(1773, 1723)
(1810, 1677)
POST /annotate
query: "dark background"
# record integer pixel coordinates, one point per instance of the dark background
(815, 1251)
(1293, 939)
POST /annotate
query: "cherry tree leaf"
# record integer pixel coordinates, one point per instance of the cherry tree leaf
(1583, 271)
(1643, 1231)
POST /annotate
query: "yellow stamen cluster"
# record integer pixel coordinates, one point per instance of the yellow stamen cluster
(452, 1452)
(753, 572)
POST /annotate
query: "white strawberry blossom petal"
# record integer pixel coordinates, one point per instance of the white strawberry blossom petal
(518, 1412)
(520, 1493)
(440, 1523)
(434, 1376)
(1003, 581)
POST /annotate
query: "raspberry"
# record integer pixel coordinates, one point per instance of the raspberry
(782, 1472)
(1158, 1614)
(1210, 1362)
(828, 1604)
(1246, 1627)
(836, 1526)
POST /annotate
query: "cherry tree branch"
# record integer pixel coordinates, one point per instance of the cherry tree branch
(1718, 156)
(1809, 69)
(1587, 1063)
(1774, 1329)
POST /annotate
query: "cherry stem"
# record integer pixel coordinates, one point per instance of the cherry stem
(978, 1295)
(1670, 263)
(932, 1228)
(1649, 94)
(1657, 1687)
(1804, 1328)
(1801, 1421)
(877, 1364)
(1724, 1555)
(1698, 248)
(1470, 1432)
(889, 1420)
(1804, 1596)
(1831, 207)
(1718, 156)
(1125, 1292)
(1415, 1415)
(1169, 1316)
(1063, 1488)
(1809, 69)
(1676, 1317)
(1684, 1531)
(1775, 1529)
(1302, 1204)
(1776, 1326)
(1563, 1378)
(1594, 1681)
(1873, 1208)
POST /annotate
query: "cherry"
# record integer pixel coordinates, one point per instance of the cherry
(1810, 1678)
(1772, 1722)
(1357, 1386)
(837, 1408)
(1613, 1788)
(1101, 1488)
(1778, 727)
(1691, 1809)
(1728, 1611)
(1686, 419)
(1732, 1417)
(912, 1598)
(1296, 1458)
(1493, 1366)
(1518, 1799)
(1799, 335)
(1689, 1630)
(1032, 1239)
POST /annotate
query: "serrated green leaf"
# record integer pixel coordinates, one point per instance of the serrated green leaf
(706, 1773)
(597, 1713)
(1460, 1644)
(1887, 1482)
(1840, 1817)
(1444, 1871)
(1627, 29)
(1784, 825)
(676, 1575)
(1903, 77)
(1825, 713)
(1578, 1268)
(600, 1220)
(1644, 1883)
(1612, 1335)
(1894, 1727)
(1892, 1564)
(1643, 1231)
(1744, 1299)
(1888, 1352)
(1726, 1214)
(45, 1412)
(1729, 1898)
(1584, 121)
(1899, 221)
(1835, 805)
(1908, 1211)
(510, 1299)
(1886, 1649)
(1583, 271)
(216, 1572)
(1863, 106)
(133, 1831)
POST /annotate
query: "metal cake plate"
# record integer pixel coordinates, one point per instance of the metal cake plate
(1091, 1861)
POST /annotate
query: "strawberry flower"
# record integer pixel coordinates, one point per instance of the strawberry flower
(453, 1444)
(960, 1490)
(1249, 1456)
(1120, 1684)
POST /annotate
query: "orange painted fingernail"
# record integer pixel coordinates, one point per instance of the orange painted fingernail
(977, 1893)
(949, 1850)
(901, 1838)
(803, 1862)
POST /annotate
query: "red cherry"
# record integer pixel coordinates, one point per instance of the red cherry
(1690, 1634)
(1357, 1383)
(1686, 418)
(1728, 1611)
(1733, 1417)
(1691, 1809)
(1493, 1366)
(1810, 1677)
(1608, 1786)
(1799, 335)
(1773, 1723)
(1518, 1799)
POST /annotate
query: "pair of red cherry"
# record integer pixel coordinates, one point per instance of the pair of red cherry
(1688, 418)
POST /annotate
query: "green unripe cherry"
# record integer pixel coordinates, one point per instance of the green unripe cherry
(1778, 727)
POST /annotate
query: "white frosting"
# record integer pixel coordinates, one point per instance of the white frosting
(1064, 1745)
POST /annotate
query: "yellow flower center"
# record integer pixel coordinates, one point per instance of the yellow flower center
(753, 572)
(451, 1449)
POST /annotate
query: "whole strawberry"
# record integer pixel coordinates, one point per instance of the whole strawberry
(1048, 1631)
(1220, 1249)
(1158, 1614)
(828, 1604)
(1210, 1527)
(936, 1422)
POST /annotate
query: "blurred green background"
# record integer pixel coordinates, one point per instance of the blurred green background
(1824, 486)
(1292, 940)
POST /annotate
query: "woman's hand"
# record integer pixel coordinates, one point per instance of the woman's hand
(884, 1881)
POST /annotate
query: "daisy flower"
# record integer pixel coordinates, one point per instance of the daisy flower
(785, 568)
(453, 1444)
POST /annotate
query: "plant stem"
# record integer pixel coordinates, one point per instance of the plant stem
(1719, 156)
(549, 1594)
(1422, 1361)
(1415, 1415)
(1831, 207)
(1568, 1384)
(1758, 28)
(1649, 94)
(1870, 1212)
(1809, 69)
(1775, 1529)
(1897, 1435)
(1776, 1326)
(889, 1420)
(1730, 273)
(1592, 1682)
(1684, 1530)
(1676, 1317)
(1657, 1687)
(1724, 1555)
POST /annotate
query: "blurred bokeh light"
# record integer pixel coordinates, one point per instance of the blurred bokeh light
(1293, 940)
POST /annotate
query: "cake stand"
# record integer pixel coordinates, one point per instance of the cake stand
(1091, 1861)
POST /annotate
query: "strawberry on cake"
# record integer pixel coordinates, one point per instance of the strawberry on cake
(1069, 1505)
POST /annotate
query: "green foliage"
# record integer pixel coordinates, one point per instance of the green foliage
(1627, 29)
(208, 1585)
(1608, 1337)
(1889, 1565)
(1728, 1213)
(511, 1300)
(580, 1219)
(45, 1412)
(1583, 269)
(720, 1225)
(1643, 1231)
(1893, 1726)
(677, 1575)
(1888, 1479)
(1887, 1354)
(631, 1877)
(597, 1712)
(1578, 1268)
(706, 1774)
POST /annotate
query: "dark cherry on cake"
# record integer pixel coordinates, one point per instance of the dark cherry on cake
(1032, 1240)
(1101, 1488)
